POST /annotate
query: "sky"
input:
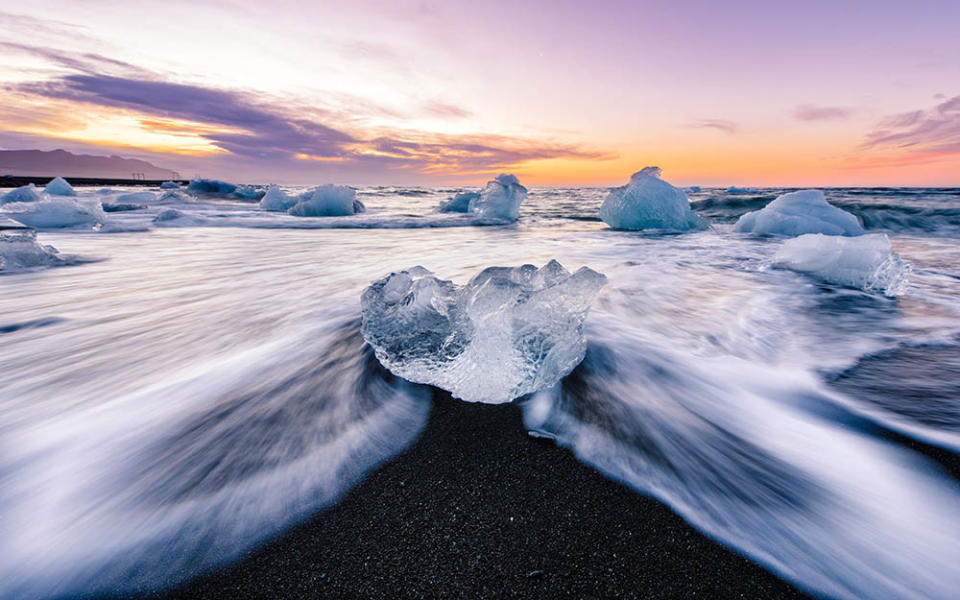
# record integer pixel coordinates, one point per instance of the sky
(560, 93)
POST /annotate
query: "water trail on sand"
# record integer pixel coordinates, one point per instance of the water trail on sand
(762, 459)
(154, 486)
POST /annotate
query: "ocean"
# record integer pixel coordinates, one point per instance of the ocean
(190, 378)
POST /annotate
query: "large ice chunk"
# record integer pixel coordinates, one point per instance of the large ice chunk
(276, 199)
(797, 213)
(865, 262)
(20, 250)
(328, 201)
(648, 202)
(499, 199)
(211, 186)
(59, 187)
(459, 203)
(27, 193)
(508, 332)
(56, 213)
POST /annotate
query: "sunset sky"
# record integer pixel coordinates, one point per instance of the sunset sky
(715, 93)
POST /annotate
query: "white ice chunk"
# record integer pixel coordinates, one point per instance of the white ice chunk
(169, 185)
(27, 193)
(797, 213)
(276, 199)
(865, 262)
(20, 250)
(328, 201)
(508, 332)
(739, 190)
(56, 213)
(459, 203)
(648, 202)
(59, 187)
(499, 199)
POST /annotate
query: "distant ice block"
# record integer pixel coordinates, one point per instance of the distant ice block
(327, 201)
(865, 262)
(459, 203)
(211, 186)
(797, 213)
(136, 198)
(248, 192)
(693, 189)
(275, 199)
(508, 332)
(170, 185)
(59, 187)
(27, 193)
(499, 199)
(56, 213)
(20, 250)
(739, 190)
(648, 202)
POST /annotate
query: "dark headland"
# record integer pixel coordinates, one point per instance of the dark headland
(478, 509)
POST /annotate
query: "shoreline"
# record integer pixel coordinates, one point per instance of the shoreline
(477, 508)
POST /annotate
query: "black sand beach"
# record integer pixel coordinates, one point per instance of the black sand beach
(478, 509)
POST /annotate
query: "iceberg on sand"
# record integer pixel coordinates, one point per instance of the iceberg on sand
(648, 202)
(56, 213)
(865, 262)
(27, 193)
(275, 199)
(20, 250)
(798, 213)
(506, 333)
(459, 203)
(328, 201)
(59, 187)
(499, 199)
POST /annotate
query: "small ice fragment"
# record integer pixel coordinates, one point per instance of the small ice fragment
(275, 199)
(59, 187)
(459, 203)
(797, 213)
(327, 201)
(170, 185)
(211, 186)
(20, 250)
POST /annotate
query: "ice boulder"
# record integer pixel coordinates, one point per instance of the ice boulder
(506, 333)
(459, 203)
(648, 202)
(797, 213)
(170, 185)
(276, 199)
(865, 262)
(27, 193)
(499, 199)
(59, 187)
(56, 213)
(327, 201)
(20, 250)
(211, 186)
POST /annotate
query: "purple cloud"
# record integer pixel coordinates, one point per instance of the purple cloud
(809, 112)
(933, 131)
(728, 127)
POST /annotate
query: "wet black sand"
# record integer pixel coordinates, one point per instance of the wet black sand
(478, 509)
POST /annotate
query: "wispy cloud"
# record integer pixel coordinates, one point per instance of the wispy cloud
(934, 131)
(728, 127)
(810, 112)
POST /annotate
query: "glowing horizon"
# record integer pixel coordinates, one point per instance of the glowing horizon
(452, 93)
